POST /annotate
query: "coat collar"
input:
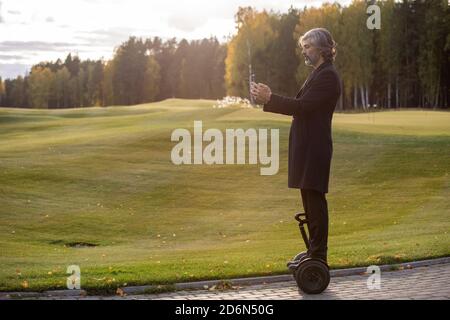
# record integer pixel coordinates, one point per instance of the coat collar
(313, 75)
(323, 65)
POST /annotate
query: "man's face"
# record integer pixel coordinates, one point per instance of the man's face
(311, 53)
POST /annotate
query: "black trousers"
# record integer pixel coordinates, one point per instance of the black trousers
(316, 209)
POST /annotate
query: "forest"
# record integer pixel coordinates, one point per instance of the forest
(405, 63)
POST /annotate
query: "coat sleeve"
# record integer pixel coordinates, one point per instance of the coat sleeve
(324, 88)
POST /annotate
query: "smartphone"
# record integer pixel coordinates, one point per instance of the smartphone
(252, 79)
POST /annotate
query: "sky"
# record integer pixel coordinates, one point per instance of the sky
(32, 31)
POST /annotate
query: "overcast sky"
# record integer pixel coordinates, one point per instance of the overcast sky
(37, 30)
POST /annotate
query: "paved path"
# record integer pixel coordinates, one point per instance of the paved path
(432, 282)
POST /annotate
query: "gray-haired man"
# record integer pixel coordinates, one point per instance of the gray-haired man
(310, 140)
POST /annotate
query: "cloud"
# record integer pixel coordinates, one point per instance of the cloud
(186, 22)
(11, 71)
(1, 19)
(41, 31)
(11, 57)
(36, 46)
(110, 37)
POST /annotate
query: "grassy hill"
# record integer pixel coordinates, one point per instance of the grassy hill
(96, 187)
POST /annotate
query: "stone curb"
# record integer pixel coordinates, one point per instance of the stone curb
(50, 293)
(202, 285)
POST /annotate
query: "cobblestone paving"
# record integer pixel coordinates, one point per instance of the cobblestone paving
(432, 282)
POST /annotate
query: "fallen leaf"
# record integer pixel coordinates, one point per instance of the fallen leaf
(99, 279)
(222, 285)
(120, 292)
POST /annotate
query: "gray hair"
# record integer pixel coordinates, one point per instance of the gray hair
(321, 38)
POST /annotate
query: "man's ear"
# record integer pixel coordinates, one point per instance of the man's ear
(322, 53)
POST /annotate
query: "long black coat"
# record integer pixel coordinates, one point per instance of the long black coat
(310, 141)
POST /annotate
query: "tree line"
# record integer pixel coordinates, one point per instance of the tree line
(406, 63)
(140, 71)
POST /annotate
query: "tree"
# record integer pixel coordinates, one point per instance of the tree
(41, 81)
(388, 54)
(164, 54)
(283, 54)
(197, 69)
(177, 70)
(432, 57)
(151, 80)
(131, 60)
(107, 84)
(62, 79)
(72, 64)
(2, 91)
(406, 63)
(74, 96)
(94, 83)
(18, 92)
(218, 74)
(255, 35)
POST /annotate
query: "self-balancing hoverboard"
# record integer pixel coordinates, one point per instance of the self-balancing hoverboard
(311, 274)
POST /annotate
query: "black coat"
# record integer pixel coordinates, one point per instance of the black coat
(310, 141)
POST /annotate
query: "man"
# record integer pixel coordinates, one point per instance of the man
(310, 141)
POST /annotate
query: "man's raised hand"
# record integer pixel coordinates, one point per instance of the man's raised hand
(260, 92)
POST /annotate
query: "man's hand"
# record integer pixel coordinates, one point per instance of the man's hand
(260, 92)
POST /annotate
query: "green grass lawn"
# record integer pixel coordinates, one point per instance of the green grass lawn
(103, 176)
